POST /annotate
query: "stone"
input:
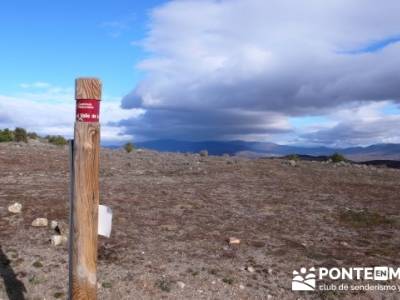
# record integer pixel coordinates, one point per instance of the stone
(40, 222)
(57, 240)
(15, 208)
(345, 244)
(181, 284)
(169, 227)
(241, 286)
(292, 163)
(234, 241)
(251, 269)
(53, 224)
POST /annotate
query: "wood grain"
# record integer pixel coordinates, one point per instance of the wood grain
(85, 210)
(88, 88)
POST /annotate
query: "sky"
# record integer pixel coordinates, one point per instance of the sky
(303, 72)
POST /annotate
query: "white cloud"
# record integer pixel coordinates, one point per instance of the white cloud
(50, 110)
(273, 58)
(38, 84)
(352, 125)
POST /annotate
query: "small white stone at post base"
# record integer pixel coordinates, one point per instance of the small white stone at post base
(105, 221)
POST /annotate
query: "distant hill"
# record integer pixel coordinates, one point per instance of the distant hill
(254, 149)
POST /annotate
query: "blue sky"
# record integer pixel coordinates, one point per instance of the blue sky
(288, 72)
(56, 41)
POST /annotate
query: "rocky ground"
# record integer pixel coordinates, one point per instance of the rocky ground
(173, 214)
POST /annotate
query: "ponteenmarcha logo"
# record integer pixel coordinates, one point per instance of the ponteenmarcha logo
(303, 280)
(306, 280)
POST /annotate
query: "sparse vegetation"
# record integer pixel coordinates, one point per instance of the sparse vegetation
(17, 135)
(37, 264)
(187, 257)
(164, 285)
(203, 153)
(20, 135)
(33, 135)
(58, 295)
(294, 157)
(337, 157)
(106, 285)
(56, 140)
(129, 147)
(227, 280)
(6, 135)
(363, 218)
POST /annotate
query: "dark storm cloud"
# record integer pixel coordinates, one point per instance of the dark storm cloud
(160, 124)
(264, 60)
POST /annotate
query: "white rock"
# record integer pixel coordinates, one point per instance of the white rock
(15, 208)
(181, 284)
(241, 286)
(234, 241)
(53, 224)
(292, 163)
(251, 269)
(40, 222)
(57, 240)
(269, 297)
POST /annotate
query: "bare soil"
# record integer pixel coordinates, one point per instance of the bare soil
(173, 214)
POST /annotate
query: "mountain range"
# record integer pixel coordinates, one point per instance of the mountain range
(257, 149)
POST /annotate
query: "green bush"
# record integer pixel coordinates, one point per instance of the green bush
(292, 157)
(57, 140)
(6, 135)
(20, 135)
(336, 157)
(129, 147)
(203, 153)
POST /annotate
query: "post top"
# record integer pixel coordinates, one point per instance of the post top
(88, 88)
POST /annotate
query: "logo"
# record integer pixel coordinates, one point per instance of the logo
(381, 273)
(303, 280)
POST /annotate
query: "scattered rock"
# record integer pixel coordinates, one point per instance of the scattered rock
(345, 244)
(53, 224)
(169, 227)
(40, 222)
(181, 284)
(250, 269)
(234, 241)
(15, 208)
(57, 240)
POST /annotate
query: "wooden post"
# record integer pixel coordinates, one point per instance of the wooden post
(85, 190)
